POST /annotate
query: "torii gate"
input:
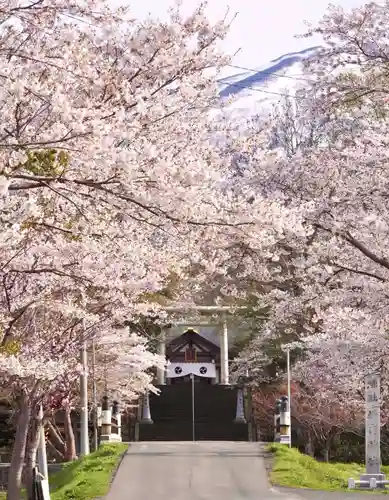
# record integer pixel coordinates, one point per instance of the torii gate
(192, 310)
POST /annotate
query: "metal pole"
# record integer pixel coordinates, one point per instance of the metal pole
(193, 408)
(94, 390)
(41, 452)
(289, 400)
(84, 431)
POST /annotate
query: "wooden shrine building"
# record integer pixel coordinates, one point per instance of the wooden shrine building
(192, 354)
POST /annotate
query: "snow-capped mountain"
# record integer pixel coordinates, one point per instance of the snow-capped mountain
(255, 89)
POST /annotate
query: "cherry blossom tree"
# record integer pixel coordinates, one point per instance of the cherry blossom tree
(325, 405)
(92, 215)
(122, 368)
(110, 182)
(318, 417)
(35, 359)
(124, 365)
(331, 288)
(64, 399)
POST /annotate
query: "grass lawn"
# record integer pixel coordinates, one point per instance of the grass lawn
(89, 477)
(86, 478)
(296, 470)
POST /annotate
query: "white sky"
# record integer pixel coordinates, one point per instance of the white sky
(263, 29)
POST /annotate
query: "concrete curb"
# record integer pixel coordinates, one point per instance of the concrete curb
(310, 494)
(288, 494)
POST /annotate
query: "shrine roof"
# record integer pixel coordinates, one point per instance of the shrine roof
(192, 336)
(210, 333)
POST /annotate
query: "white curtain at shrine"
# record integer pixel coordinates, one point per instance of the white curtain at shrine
(206, 370)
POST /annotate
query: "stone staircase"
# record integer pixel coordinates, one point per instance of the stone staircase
(215, 408)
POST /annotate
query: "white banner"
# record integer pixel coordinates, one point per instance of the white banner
(206, 370)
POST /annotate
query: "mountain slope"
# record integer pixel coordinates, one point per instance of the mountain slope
(253, 91)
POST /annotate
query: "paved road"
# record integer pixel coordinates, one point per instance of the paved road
(193, 471)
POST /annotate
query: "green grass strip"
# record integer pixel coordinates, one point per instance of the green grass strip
(296, 470)
(88, 477)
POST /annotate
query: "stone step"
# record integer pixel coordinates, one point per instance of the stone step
(182, 431)
(215, 409)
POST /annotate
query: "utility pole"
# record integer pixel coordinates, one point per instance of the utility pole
(94, 390)
(289, 391)
(84, 428)
(41, 452)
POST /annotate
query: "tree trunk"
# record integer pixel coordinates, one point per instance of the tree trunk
(70, 453)
(57, 454)
(55, 438)
(327, 446)
(309, 448)
(19, 449)
(31, 450)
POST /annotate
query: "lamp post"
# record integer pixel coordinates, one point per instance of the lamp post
(239, 415)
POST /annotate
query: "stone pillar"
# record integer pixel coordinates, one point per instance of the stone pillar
(116, 422)
(224, 369)
(240, 418)
(99, 415)
(146, 414)
(161, 373)
(106, 420)
(373, 432)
